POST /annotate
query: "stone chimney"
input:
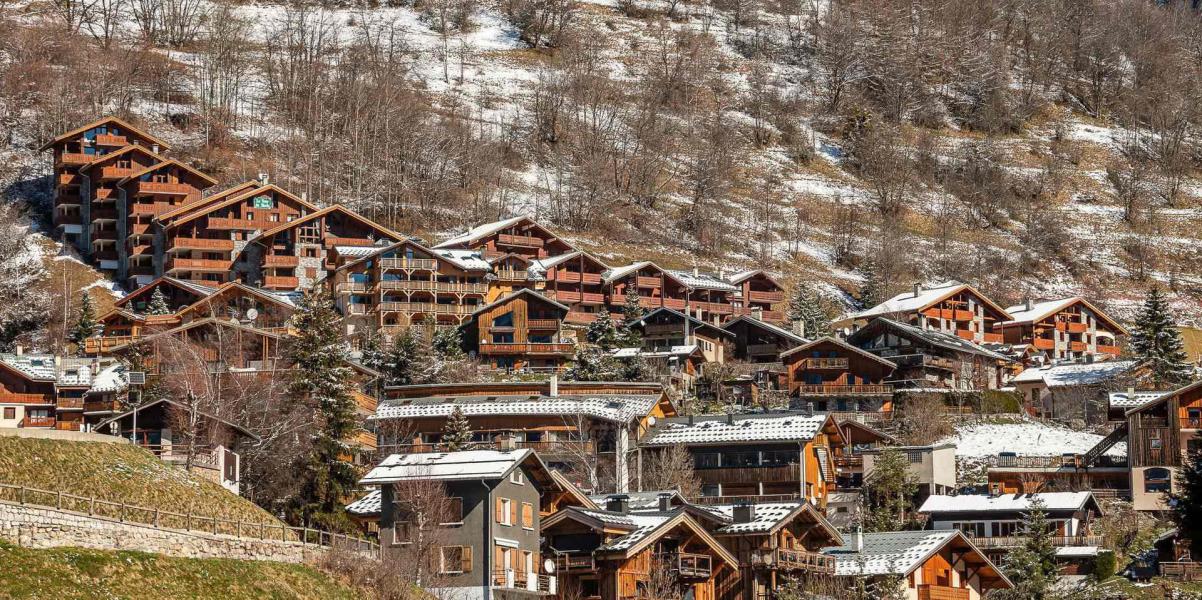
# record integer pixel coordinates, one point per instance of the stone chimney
(917, 289)
(757, 313)
(744, 513)
(20, 350)
(665, 502)
(264, 179)
(860, 538)
(619, 503)
(691, 422)
(554, 386)
(730, 418)
(1029, 305)
(696, 272)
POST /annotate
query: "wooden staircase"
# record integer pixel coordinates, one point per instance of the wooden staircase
(1091, 456)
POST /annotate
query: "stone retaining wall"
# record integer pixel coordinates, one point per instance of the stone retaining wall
(40, 527)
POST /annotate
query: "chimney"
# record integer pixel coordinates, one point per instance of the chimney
(554, 386)
(730, 418)
(757, 313)
(917, 289)
(665, 502)
(305, 196)
(744, 513)
(264, 179)
(860, 538)
(619, 503)
(722, 274)
(20, 350)
(691, 419)
(696, 272)
(155, 148)
(799, 327)
(1030, 305)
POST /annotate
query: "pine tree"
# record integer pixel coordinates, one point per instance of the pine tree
(401, 362)
(457, 433)
(602, 331)
(592, 364)
(158, 303)
(372, 353)
(1187, 501)
(1032, 566)
(806, 306)
(85, 324)
(448, 343)
(321, 379)
(1155, 340)
(889, 492)
(872, 291)
(632, 312)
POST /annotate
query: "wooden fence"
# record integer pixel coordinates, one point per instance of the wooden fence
(163, 519)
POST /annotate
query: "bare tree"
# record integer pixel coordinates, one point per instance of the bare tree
(671, 468)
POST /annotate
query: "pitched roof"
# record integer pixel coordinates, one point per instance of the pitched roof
(703, 281)
(1189, 387)
(1058, 501)
(1076, 373)
(202, 208)
(199, 323)
(1127, 400)
(369, 505)
(104, 121)
(740, 277)
(240, 429)
(124, 150)
(771, 516)
(616, 408)
(643, 528)
(514, 295)
(470, 259)
(766, 326)
(466, 465)
(480, 231)
(640, 501)
(1038, 311)
(170, 161)
(938, 339)
(277, 298)
(795, 427)
(543, 264)
(36, 367)
(333, 208)
(828, 339)
(211, 198)
(697, 323)
(908, 302)
(673, 351)
(462, 259)
(889, 552)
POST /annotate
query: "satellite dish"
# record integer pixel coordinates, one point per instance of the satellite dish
(549, 566)
(251, 314)
(651, 421)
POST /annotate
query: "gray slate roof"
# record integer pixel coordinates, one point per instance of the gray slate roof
(367, 506)
(467, 465)
(887, 553)
(745, 428)
(938, 339)
(766, 517)
(623, 408)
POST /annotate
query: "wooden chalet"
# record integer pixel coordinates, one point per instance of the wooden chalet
(1069, 328)
(760, 294)
(568, 423)
(617, 553)
(665, 328)
(953, 308)
(143, 195)
(522, 331)
(758, 341)
(1161, 434)
(860, 438)
(488, 532)
(929, 565)
(756, 457)
(1076, 390)
(406, 283)
(928, 359)
(76, 148)
(106, 218)
(208, 340)
(295, 254)
(576, 280)
(832, 374)
(54, 392)
(656, 288)
(521, 235)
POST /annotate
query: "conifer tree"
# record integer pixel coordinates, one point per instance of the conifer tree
(372, 353)
(602, 331)
(457, 433)
(889, 492)
(85, 324)
(592, 364)
(806, 306)
(632, 312)
(401, 364)
(1154, 339)
(321, 379)
(1032, 566)
(448, 343)
(872, 291)
(1187, 505)
(158, 303)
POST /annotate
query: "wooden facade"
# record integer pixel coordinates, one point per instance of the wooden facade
(788, 549)
(1161, 435)
(143, 195)
(952, 308)
(522, 331)
(1064, 329)
(758, 341)
(931, 359)
(576, 280)
(105, 212)
(664, 328)
(828, 370)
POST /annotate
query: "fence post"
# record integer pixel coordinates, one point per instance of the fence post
(214, 525)
(121, 512)
(283, 532)
(239, 528)
(22, 494)
(59, 501)
(262, 530)
(91, 506)
(188, 522)
(156, 517)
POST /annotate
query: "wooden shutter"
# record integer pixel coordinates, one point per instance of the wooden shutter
(499, 560)
(527, 514)
(513, 513)
(466, 559)
(500, 511)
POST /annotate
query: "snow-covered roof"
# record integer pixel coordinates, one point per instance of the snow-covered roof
(468, 260)
(369, 505)
(1127, 400)
(198, 288)
(39, 367)
(637, 501)
(842, 344)
(112, 378)
(356, 251)
(1029, 438)
(620, 272)
(716, 430)
(704, 281)
(480, 231)
(674, 351)
(754, 322)
(1077, 551)
(907, 302)
(1075, 373)
(887, 553)
(1005, 503)
(70, 371)
(1037, 310)
(643, 525)
(467, 465)
(938, 339)
(616, 408)
(766, 517)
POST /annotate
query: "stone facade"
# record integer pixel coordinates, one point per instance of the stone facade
(41, 527)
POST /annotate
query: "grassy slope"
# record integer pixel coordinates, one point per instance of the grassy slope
(122, 473)
(69, 573)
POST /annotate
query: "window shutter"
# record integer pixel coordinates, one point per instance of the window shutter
(466, 559)
(500, 511)
(513, 513)
(527, 514)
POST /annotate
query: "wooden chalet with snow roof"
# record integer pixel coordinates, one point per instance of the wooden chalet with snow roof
(664, 328)
(832, 374)
(574, 279)
(522, 236)
(761, 295)
(953, 308)
(76, 148)
(294, 255)
(758, 341)
(208, 340)
(405, 283)
(1062, 329)
(522, 331)
(756, 457)
(99, 181)
(615, 553)
(567, 422)
(931, 359)
(143, 195)
(927, 565)
(54, 392)
(1161, 435)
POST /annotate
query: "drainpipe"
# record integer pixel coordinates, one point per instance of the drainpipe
(486, 550)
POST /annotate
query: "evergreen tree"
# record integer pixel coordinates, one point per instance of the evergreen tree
(889, 492)
(592, 364)
(872, 291)
(448, 343)
(806, 306)
(321, 379)
(372, 353)
(1155, 340)
(1187, 502)
(85, 324)
(1032, 566)
(602, 331)
(457, 433)
(632, 312)
(158, 303)
(401, 364)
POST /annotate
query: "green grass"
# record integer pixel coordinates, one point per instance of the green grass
(71, 573)
(119, 473)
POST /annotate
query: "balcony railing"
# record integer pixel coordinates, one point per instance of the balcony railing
(408, 263)
(941, 592)
(417, 285)
(826, 363)
(198, 264)
(1106, 349)
(228, 223)
(568, 563)
(280, 282)
(1181, 570)
(37, 422)
(512, 275)
(68, 179)
(1016, 540)
(108, 139)
(508, 349)
(75, 158)
(281, 260)
(1044, 343)
(522, 580)
(757, 296)
(101, 345)
(25, 398)
(333, 240)
(844, 390)
(575, 277)
(645, 281)
(116, 172)
(70, 403)
(799, 560)
(188, 243)
(427, 307)
(162, 187)
(1191, 423)
(762, 349)
(689, 566)
(542, 324)
(574, 448)
(522, 241)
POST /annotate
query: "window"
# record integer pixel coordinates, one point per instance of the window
(527, 515)
(1157, 480)
(10, 412)
(711, 489)
(402, 532)
(454, 514)
(517, 477)
(507, 511)
(915, 456)
(505, 320)
(707, 460)
(456, 559)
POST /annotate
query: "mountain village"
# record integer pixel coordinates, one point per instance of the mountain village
(502, 414)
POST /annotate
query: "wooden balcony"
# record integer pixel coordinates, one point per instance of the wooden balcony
(37, 422)
(1043, 343)
(280, 260)
(1016, 541)
(687, 565)
(770, 297)
(941, 592)
(364, 439)
(107, 139)
(521, 241)
(116, 172)
(1181, 570)
(357, 308)
(845, 390)
(199, 264)
(141, 250)
(648, 282)
(427, 307)
(247, 224)
(575, 563)
(280, 282)
(332, 240)
(527, 348)
(149, 208)
(1076, 327)
(762, 349)
(949, 314)
(542, 324)
(75, 158)
(580, 317)
(574, 277)
(850, 461)
(797, 560)
(1077, 346)
(190, 243)
(744, 474)
(417, 285)
(106, 344)
(69, 179)
(1106, 349)
(163, 188)
(357, 287)
(70, 404)
(840, 364)
(409, 264)
(24, 398)
(512, 275)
